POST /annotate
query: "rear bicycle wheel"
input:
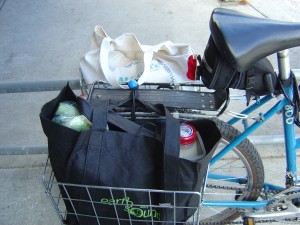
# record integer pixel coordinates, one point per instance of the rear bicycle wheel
(244, 163)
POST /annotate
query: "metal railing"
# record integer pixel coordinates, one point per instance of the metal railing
(37, 86)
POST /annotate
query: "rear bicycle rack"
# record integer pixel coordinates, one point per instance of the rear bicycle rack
(181, 96)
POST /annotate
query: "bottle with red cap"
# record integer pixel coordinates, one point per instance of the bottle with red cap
(190, 146)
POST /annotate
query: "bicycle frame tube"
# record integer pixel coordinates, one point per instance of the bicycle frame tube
(251, 108)
(278, 106)
(236, 204)
(297, 144)
(290, 151)
(290, 142)
(288, 121)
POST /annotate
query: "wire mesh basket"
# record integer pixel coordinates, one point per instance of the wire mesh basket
(122, 209)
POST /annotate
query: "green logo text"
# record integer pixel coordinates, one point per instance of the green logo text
(145, 212)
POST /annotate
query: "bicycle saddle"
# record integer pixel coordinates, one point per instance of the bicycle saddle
(244, 39)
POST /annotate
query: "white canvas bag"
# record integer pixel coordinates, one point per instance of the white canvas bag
(121, 59)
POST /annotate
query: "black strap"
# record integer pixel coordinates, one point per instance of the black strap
(282, 87)
(129, 126)
(99, 123)
(296, 100)
(99, 116)
(227, 100)
(133, 108)
(250, 84)
(102, 113)
(170, 135)
(171, 146)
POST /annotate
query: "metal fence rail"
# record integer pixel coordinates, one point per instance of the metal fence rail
(37, 86)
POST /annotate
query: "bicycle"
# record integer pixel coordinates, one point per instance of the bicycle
(241, 192)
(276, 203)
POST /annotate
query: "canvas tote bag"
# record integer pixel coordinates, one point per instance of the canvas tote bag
(121, 59)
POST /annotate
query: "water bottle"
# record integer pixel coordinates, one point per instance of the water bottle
(190, 146)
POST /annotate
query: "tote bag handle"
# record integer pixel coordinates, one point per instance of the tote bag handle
(110, 76)
(100, 117)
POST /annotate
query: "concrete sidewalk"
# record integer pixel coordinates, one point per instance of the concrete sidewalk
(44, 40)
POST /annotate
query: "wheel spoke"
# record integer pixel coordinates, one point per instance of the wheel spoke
(230, 178)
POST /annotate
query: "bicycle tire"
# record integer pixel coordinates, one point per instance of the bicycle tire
(245, 160)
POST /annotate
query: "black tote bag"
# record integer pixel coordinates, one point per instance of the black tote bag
(129, 155)
(61, 140)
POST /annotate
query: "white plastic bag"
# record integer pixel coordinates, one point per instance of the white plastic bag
(121, 59)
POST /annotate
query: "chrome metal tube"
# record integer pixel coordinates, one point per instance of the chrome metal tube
(37, 86)
(284, 64)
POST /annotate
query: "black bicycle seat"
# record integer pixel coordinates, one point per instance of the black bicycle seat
(244, 39)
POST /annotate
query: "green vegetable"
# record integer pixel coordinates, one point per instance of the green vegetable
(67, 108)
(62, 120)
(80, 123)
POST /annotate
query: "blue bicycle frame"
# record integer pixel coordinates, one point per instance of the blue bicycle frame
(291, 143)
